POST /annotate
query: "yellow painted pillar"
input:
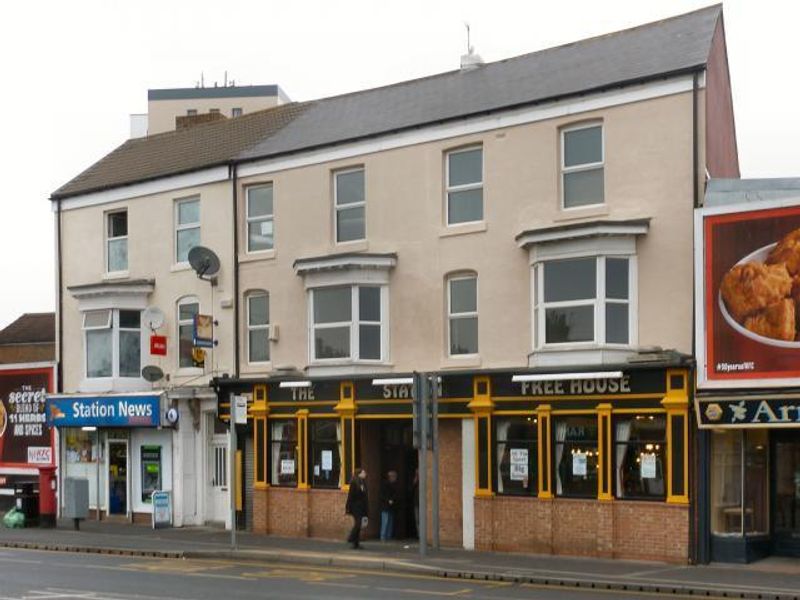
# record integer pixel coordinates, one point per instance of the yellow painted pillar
(604, 453)
(481, 407)
(544, 466)
(260, 413)
(676, 403)
(346, 409)
(302, 449)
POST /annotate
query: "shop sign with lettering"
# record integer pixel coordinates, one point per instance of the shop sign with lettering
(748, 412)
(133, 410)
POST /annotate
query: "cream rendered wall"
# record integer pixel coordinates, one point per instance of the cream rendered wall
(150, 256)
(161, 113)
(648, 172)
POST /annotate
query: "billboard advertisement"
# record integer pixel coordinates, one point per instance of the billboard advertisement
(748, 296)
(25, 436)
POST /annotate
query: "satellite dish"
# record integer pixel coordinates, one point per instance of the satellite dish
(153, 317)
(204, 261)
(152, 373)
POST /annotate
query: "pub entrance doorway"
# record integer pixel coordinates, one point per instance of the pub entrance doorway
(786, 493)
(384, 445)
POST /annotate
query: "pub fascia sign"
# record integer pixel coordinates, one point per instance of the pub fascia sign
(576, 387)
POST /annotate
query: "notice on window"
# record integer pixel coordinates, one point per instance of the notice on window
(579, 464)
(316, 470)
(648, 465)
(327, 460)
(519, 464)
(287, 467)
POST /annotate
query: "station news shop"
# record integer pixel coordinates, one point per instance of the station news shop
(581, 463)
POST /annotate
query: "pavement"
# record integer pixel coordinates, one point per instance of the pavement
(771, 579)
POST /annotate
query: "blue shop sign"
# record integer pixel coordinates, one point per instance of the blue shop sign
(124, 410)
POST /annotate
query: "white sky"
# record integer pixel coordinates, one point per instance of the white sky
(72, 72)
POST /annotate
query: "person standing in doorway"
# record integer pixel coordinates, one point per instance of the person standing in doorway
(357, 506)
(388, 505)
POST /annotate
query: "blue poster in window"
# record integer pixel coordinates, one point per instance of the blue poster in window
(203, 331)
(124, 410)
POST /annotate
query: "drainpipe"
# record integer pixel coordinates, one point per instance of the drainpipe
(235, 195)
(60, 306)
(695, 131)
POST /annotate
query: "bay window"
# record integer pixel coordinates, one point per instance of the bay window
(113, 343)
(584, 300)
(348, 323)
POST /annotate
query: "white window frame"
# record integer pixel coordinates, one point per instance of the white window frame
(110, 239)
(182, 227)
(353, 324)
(250, 327)
(465, 187)
(599, 303)
(583, 167)
(236, 111)
(259, 219)
(178, 324)
(337, 208)
(461, 315)
(112, 324)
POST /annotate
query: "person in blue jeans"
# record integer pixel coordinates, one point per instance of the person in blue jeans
(388, 505)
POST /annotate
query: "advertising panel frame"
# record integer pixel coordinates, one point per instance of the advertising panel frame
(36, 368)
(702, 339)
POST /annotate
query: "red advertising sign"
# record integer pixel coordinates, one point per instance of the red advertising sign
(25, 437)
(748, 306)
(158, 345)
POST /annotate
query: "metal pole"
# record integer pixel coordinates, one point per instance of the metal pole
(232, 468)
(435, 470)
(97, 477)
(422, 394)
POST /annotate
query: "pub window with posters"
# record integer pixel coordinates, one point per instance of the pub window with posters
(283, 452)
(640, 456)
(326, 448)
(575, 447)
(516, 455)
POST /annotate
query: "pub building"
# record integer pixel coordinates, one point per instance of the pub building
(748, 399)
(533, 460)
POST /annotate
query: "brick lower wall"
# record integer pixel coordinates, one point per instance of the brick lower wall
(326, 514)
(618, 529)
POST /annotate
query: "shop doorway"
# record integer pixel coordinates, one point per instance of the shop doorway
(218, 508)
(388, 445)
(117, 477)
(786, 494)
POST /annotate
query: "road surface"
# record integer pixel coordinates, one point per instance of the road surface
(34, 575)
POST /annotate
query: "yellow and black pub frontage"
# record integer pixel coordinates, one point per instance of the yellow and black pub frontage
(588, 462)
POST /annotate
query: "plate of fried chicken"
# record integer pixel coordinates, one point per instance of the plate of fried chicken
(760, 295)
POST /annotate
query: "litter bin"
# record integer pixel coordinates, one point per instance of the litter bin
(27, 502)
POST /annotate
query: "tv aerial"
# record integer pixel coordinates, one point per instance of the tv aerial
(153, 317)
(205, 263)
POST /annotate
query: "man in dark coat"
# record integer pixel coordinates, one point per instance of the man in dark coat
(357, 505)
(388, 505)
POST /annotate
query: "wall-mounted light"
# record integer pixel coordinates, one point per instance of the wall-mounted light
(88, 428)
(393, 381)
(295, 384)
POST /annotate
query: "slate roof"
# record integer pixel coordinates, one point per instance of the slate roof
(30, 328)
(676, 45)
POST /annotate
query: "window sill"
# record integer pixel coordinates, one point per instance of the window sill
(580, 354)
(347, 368)
(353, 246)
(248, 257)
(114, 384)
(188, 372)
(115, 275)
(582, 212)
(180, 267)
(463, 229)
(456, 362)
